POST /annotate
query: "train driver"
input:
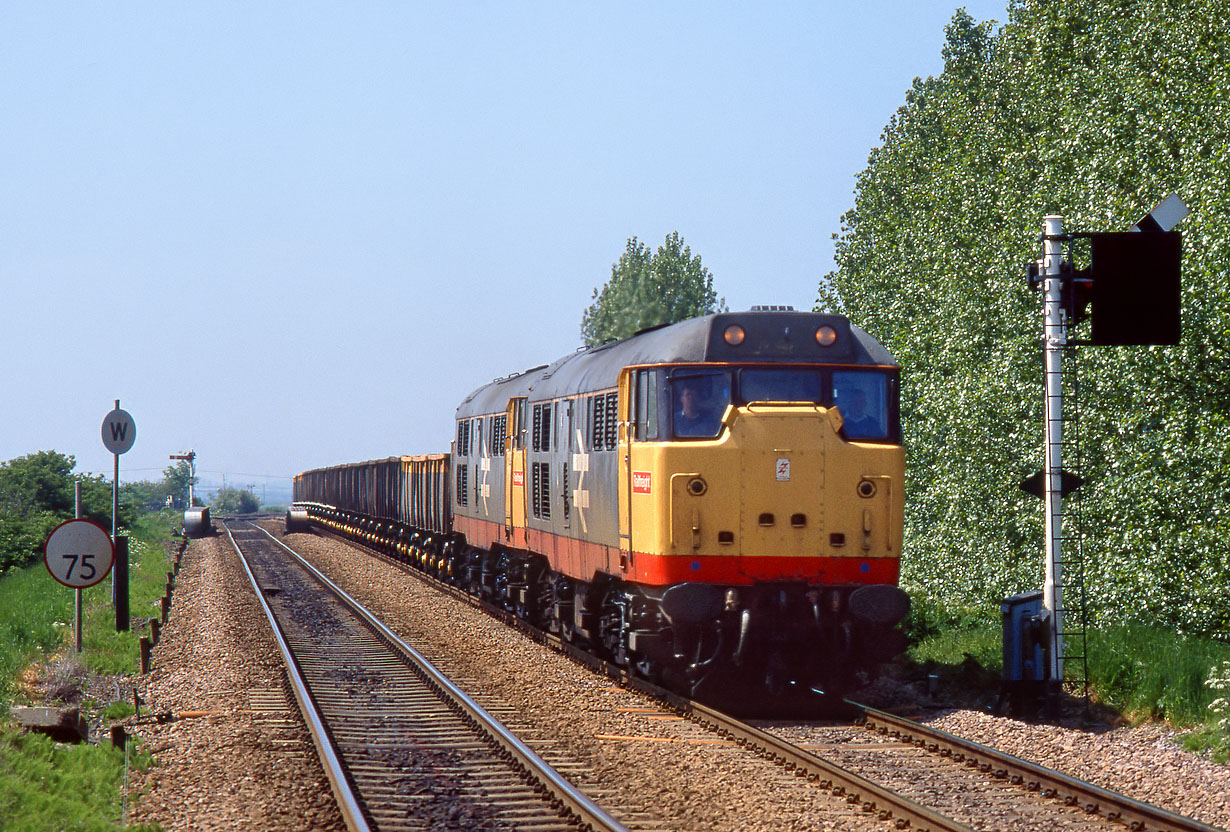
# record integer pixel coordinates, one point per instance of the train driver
(695, 416)
(855, 418)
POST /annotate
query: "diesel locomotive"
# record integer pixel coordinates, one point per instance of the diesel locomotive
(716, 504)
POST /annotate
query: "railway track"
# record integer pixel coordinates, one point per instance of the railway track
(961, 784)
(404, 748)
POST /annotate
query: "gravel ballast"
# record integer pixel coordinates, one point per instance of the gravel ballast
(231, 751)
(252, 768)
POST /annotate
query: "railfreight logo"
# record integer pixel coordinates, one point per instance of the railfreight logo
(642, 482)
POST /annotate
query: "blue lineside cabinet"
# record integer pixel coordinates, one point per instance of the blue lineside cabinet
(1025, 630)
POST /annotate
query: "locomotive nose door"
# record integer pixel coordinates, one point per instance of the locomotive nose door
(783, 485)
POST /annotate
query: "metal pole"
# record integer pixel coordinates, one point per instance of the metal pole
(1055, 337)
(115, 505)
(115, 489)
(77, 592)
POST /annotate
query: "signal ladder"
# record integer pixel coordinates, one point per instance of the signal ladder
(1074, 612)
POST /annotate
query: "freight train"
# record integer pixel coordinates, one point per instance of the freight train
(716, 505)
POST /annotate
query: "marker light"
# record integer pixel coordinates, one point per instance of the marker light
(825, 336)
(734, 335)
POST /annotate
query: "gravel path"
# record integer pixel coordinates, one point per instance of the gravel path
(256, 770)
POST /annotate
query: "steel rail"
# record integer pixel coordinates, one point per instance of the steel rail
(343, 791)
(1137, 815)
(857, 790)
(573, 799)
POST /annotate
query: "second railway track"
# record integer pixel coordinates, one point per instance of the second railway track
(909, 776)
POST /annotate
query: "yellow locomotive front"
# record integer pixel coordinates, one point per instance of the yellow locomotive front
(775, 487)
(762, 506)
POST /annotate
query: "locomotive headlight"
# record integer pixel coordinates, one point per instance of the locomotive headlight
(697, 486)
(734, 335)
(825, 336)
(866, 489)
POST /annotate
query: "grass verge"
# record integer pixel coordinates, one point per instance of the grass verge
(44, 785)
(1140, 672)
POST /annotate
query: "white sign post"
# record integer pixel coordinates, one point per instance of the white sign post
(78, 554)
(119, 432)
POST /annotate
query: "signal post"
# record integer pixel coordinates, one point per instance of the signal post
(1133, 286)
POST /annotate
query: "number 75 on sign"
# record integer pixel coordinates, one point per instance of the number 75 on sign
(79, 553)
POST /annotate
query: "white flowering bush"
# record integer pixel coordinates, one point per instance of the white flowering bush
(1219, 680)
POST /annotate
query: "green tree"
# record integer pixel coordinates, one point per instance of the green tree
(1094, 110)
(37, 494)
(230, 500)
(648, 289)
(37, 482)
(176, 479)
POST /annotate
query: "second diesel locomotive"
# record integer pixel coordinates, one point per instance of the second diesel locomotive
(716, 504)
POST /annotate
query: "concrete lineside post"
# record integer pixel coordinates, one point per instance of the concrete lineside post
(1055, 338)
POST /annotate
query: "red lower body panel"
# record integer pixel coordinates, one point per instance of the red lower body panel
(582, 559)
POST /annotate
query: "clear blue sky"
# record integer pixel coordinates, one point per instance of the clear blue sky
(294, 234)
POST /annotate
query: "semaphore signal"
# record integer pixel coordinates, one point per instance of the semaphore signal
(1132, 284)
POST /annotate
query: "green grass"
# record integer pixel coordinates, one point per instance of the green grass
(45, 785)
(35, 612)
(1150, 673)
(1141, 672)
(48, 786)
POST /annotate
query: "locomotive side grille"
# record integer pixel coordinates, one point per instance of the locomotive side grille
(499, 432)
(611, 422)
(545, 481)
(540, 490)
(595, 423)
(463, 494)
(542, 428)
(603, 421)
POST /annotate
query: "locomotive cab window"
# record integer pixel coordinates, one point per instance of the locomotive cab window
(698, 401)
(864, 400)
(645, 404)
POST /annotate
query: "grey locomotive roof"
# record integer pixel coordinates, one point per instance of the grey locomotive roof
(774, 337)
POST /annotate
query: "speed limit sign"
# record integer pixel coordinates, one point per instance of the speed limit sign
(78, 553)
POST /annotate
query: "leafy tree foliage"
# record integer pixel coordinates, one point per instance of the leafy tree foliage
(36, 495)
(177, 478)
(1093, 110)
(649, 288)
(230, 500)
